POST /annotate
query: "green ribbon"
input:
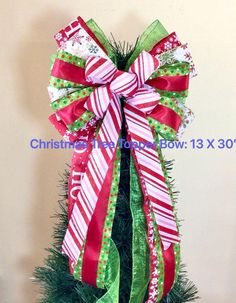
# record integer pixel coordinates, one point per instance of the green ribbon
(153, 34)
(112, 275)
(140, 251)
(167, 179)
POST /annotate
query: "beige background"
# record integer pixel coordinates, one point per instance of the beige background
(205, 178)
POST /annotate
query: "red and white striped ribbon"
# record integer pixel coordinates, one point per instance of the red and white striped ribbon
(99, 70)
(144, 66)
(152, 176)
(145, 99)
(92, 181)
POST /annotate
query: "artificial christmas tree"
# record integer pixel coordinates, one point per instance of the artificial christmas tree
(118, 229)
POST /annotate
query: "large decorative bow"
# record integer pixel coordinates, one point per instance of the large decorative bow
(90, 96)
(121, 84)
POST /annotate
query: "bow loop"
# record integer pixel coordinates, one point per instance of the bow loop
(99, 70)
(144, 66)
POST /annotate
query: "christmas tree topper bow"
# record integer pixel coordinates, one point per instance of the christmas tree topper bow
(91, 98)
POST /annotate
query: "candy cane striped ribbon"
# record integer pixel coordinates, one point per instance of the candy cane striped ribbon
(92, 182)
(152, 176)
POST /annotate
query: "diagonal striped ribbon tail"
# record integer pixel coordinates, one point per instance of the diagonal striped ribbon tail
(92, 181)
(152, 176)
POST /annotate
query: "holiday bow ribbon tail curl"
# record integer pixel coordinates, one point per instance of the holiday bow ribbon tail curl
(91, 98)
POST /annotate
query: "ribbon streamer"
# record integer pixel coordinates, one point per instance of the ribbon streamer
(86, 89)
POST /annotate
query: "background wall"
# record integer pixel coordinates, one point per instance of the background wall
(206, 178)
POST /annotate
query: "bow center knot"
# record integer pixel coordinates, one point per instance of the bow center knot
(102, 71)
(131, 85)
(124, 84)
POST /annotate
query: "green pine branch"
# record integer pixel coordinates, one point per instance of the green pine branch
(59, 286)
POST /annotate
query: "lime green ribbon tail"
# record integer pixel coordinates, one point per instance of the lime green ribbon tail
(112, 275)
(167, 178)
(140, 251)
